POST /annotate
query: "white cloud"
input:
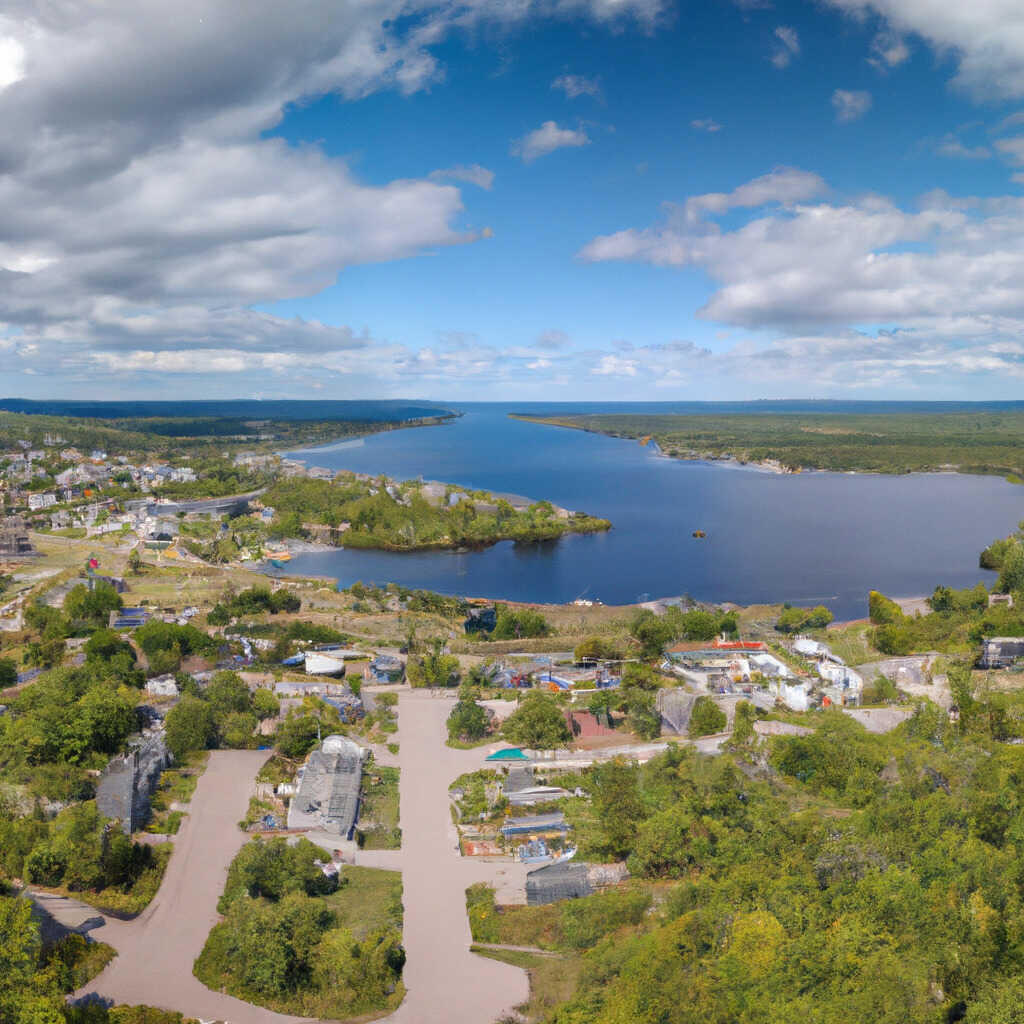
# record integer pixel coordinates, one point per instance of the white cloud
(850, 104)
(984, 37)
(787, 46)
(614, 366)
(12, 61)
(473, 174)
(706, 124)
(949, 145)
(888, 51)
(577, 85)
(1012, 148)
(546, 139)
(146, 217)
(949, 273)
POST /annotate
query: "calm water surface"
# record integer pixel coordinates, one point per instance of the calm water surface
(806, 538)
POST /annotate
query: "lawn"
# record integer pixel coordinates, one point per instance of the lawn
(378, 816)
(372, 900)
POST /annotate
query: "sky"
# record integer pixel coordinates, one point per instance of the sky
(558, 200)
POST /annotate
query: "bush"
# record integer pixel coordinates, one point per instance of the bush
(519, 624)
(588, 920)
(883, 610)
(707, 718)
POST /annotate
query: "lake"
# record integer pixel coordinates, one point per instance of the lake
(806, 538)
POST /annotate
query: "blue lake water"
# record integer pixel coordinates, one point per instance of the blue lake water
(806, 538)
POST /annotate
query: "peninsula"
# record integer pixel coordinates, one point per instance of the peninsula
(913, 442)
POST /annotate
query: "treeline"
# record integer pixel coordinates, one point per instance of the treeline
(974, 442)
(958, 622)
(393, 516)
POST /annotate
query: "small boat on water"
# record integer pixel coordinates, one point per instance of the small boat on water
(699, 534)
(278, 555)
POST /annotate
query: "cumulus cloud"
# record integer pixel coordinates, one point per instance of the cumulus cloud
(706, 124)
(947, 272)
(985, 38)
(473, 174)
(850, 105)
(787, 46)
(145, 206)
(577, 85)
(546, 139)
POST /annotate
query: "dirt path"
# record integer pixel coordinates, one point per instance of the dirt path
(157, 949)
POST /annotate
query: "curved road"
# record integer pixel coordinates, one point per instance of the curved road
(446, 984)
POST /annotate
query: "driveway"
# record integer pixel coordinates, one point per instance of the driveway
(156, 950)
(446, 983)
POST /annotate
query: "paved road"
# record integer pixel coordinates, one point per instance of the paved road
(157, 949)
(445, 983)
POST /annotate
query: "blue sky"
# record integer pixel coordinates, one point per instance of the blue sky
(617, 199)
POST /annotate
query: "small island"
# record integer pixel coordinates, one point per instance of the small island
(785, 442)
(359, 511)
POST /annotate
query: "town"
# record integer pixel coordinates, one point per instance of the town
(407, 759)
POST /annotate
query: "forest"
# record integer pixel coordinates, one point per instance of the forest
(969, 442)
(831, 877)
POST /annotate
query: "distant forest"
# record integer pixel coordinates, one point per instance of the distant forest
(966, 441)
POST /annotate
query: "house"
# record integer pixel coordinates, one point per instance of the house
(328, 795)
(129, 780)
(128, 618)
(1001, 651)
(560, 880)
(535, 825)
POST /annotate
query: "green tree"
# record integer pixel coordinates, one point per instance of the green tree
(190, 726)
(618, 807)
(433, 668)
(8, 672)
(651, 632)
(706, 718)
(538, 723)
(297, 734)
(883, 610)
(519, 624)
(595, 648)
(218, 615)
(27, 994)
(468, 721)
(265, 704)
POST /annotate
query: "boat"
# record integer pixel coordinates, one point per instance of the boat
(278, 563)
(699, 534)
(279, 556)
(320, 664)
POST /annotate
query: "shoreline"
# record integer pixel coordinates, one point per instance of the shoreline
(773, 466)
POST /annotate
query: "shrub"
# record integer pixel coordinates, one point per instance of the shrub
(706, 718)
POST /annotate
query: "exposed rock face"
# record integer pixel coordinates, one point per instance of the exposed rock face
(129, 780)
